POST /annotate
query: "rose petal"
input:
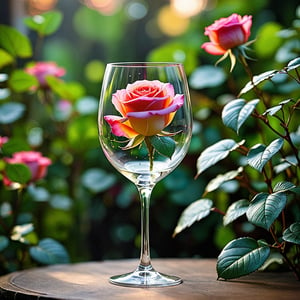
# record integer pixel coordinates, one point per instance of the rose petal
(213, 48)
(119, 126)
(177, 103)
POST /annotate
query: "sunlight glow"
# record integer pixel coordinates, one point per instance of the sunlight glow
(189, 8)
(171, 22)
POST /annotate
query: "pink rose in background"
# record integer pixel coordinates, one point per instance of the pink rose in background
(3, 140)
(227, 33)
(147, 107)
(42, 69)
(37, 164)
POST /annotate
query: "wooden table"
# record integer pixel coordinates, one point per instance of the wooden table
(89, 281)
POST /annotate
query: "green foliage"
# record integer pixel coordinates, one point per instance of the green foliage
(241, 257)
(18, 173)
(236, 112)
(292, 234)
(266, 162)
(215, 153)
(11, 112)
(207, 76)
(175, 51)
(46, 23)
(15, 43)
(195, 212)
(49, 252)
(268, 40)
(164, 145)
(21, 81)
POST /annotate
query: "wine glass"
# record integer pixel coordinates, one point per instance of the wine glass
(145, 127)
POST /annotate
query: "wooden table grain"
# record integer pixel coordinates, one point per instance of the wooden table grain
(89, 281)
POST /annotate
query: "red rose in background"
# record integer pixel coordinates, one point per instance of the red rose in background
(227, 33)
(37, 164)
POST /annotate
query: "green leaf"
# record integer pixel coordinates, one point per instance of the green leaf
(14, 42)
(259, 154)
(235, 210)
(264, 208)
(5, 58)
(97, 180)
(236, 112)
(39, 194)
(14, 145)
(283, 186)
(268, 41)
(4, 242)
(257, 80)
(11, 112)
(46, 23)
(241, 257)
(176, 51)
(207, 76)
(292, 234)
(61, 202)
(221, 178)
(49, 251)
(82, 134)
(164, 145)
(20, 81)
(211, 155)
(18, 173)
(194, 212)
(273, 110)
(66, 90)
(293, 64)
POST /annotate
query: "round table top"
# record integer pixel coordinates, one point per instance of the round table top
(89, 281)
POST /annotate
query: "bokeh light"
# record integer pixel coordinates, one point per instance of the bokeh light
(189, 8)
(35, 7)
(136, 9)
(171, 22)
(106, 7)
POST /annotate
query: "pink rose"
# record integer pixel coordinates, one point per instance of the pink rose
(42, 69)
(37, 164)
(3, 140)
(147, 107)
(227, 33)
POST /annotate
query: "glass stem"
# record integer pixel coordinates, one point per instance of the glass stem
(145, 195)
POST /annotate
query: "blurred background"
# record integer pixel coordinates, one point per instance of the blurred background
(91, 209)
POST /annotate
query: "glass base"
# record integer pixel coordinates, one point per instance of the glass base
(145, 277)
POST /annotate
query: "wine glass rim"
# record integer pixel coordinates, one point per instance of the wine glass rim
(145, 64)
